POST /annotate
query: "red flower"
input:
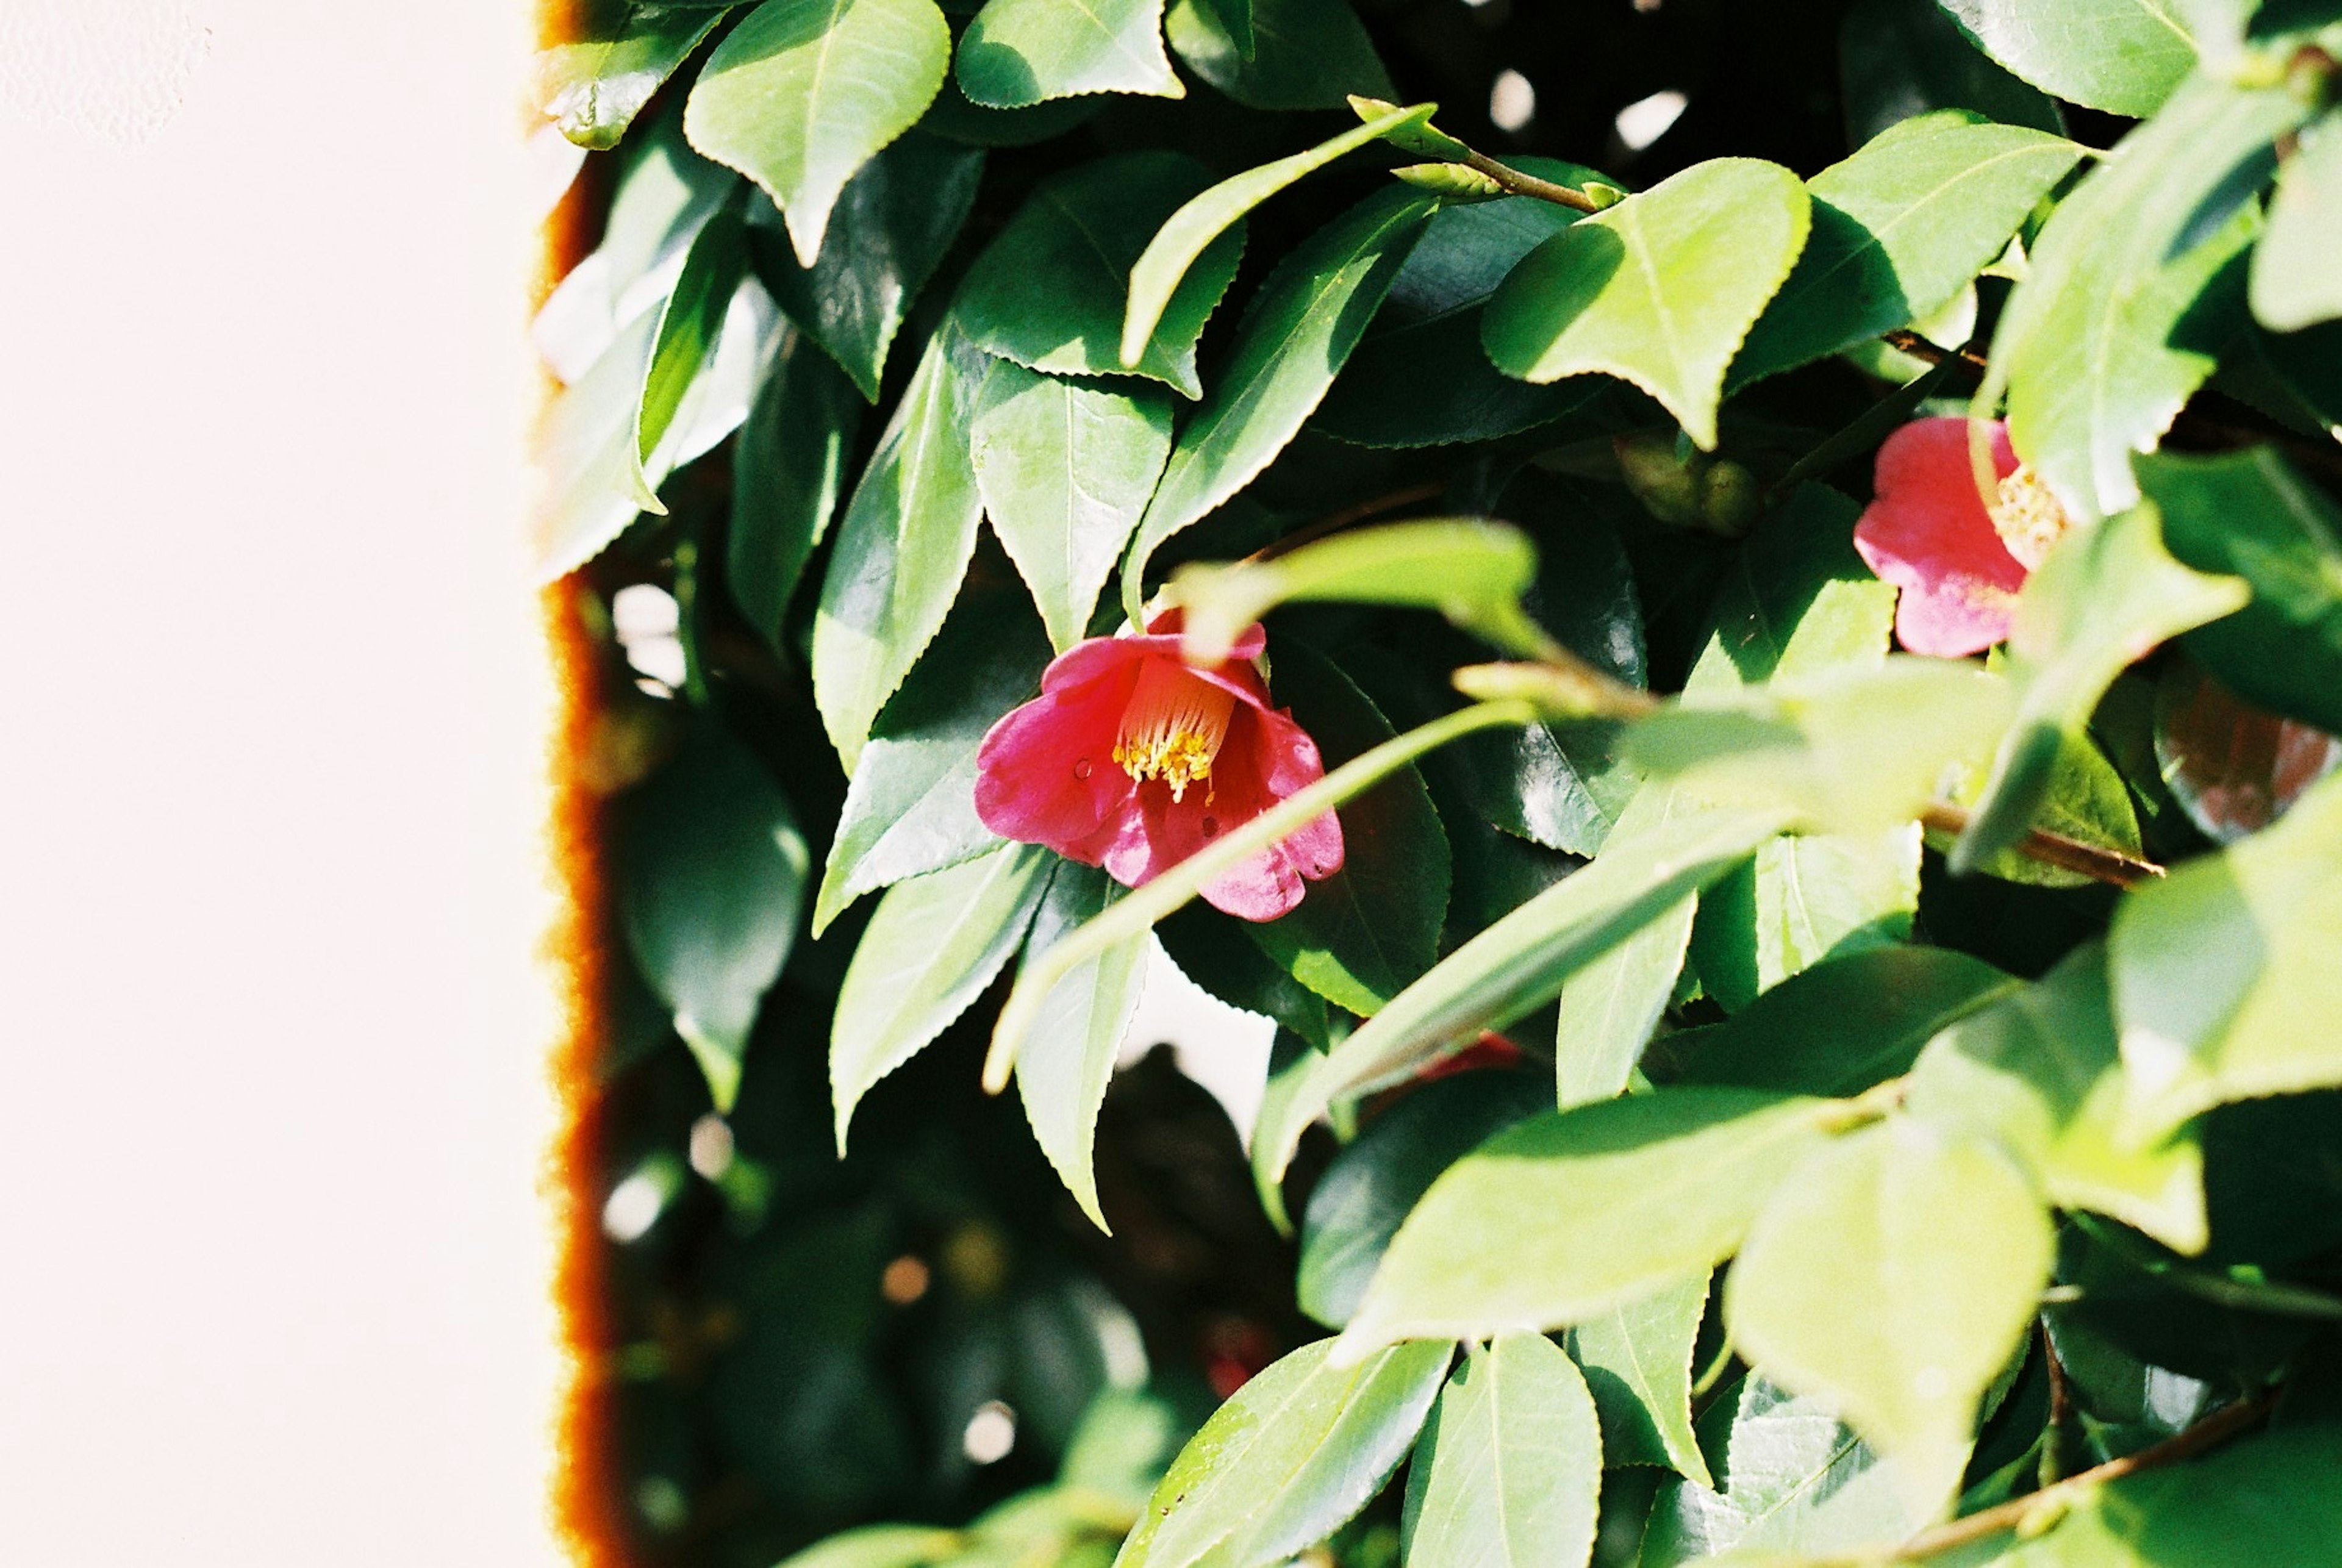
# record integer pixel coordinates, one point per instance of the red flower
(1133, 759)
(1958, 561)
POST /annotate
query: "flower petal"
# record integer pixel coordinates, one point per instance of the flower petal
(1928, 532)
(1045, 773)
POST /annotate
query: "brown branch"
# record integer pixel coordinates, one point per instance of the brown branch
(1905, 341)
(1522, 184)
(2094, 860)
(2216, 1428)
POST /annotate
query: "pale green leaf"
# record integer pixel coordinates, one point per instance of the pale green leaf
(882, 1547)
(1306, 319)
(2130, 296)
(803, 93)
(1190, 232)
(1062, 1075)
(1945, 1246)
(910, 805)
(2104, 598)
(1050, 291)
(1637, 1362)
(906, 541)
(712, 872)
(1510, 1464)
(1522, 961)
(1803, 899)
(2294, 281)
(1299, 54)
(934, 944)
(2225, 981)
(1065, 469)
(2038, 1072)
(1299, 1449)
(2264, 1502)
(593, 85)
(1609, 1008)
(1658, 290)
(1898, 229)
(2125, 56)
(1576, 1213)
(1019, 52)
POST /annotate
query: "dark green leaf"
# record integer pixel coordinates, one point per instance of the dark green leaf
(1049, 292)
(1658, 290)
(1359, 1202)
(892, 223)
(910, 808)
(1366, 933)
(1510, 1466)
(2257, 1502)
(803, 93)
(1898, 58)
(1019, 52)
(1216, 952)
(786, 473)
(1580, 1211)
(1301, 54)
(712, 881)
(592, 86)
(935, 943)
(1292, 339)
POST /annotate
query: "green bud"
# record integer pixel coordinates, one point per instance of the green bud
(1418, 138)
(1450, 182)
(1668, 486)
(1727, 499)
(1604, 196)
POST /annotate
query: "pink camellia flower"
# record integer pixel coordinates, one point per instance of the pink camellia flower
(1133, 759)
(1958, 561)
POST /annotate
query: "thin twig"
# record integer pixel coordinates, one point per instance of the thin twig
(1902, 340)
(2216, 1428)
(2094, 860)
(1334, 522)
(1522, 184)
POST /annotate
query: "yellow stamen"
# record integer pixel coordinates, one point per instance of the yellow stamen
(2026, 517)
(1172, 727)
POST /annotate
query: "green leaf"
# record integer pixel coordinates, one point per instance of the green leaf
(1510, 1467)
(2038, 1073)
(1215, 951)
(1019, 52)
(1065, 469)
(1637, 1362)
(908, 534)
(1366, 933)
(1894, 1274)
(1294, 338)
(1799, 602)
(2249, 513)
(2087, 802)
(881, 1546)
(2224, 981)
(2131, 295)
(712, 872)
(1898, 58)
(1190, 232)
(1898, 229)
(2103, 599)
(2295, 283)
(1522, 961)
(892, 224)
(1805, 899)
(786, 474)
(1062, 1075)
(593, 85)
(2251, 1502)
(1471, 571)
(1580, 1211)
(910, 808)
(1843, 1025)
(1609, 1008)
(1419, 376)
(1658, 290)
(1049, 292)
(935, 943)
(803, 93)
(1356, 1205)
(1301, 53)
(1796, 1482)
(1300, 1448)
(2125, 56)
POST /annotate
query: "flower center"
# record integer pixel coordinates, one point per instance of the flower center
(1172, 727)
(2026, 517)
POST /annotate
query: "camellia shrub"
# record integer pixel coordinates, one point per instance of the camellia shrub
(1757, 709)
